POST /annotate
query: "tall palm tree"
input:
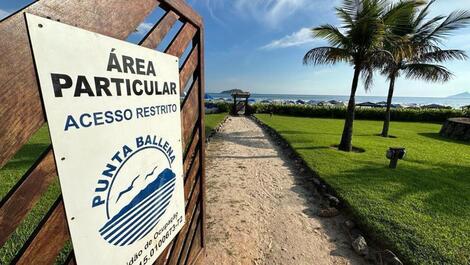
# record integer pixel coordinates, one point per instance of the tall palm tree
(359, 39)
(419, 51)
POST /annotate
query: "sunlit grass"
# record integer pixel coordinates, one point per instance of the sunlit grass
(10, 174)
(212, 120)
(421, 209)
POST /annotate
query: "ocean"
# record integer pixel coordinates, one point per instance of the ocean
(453, 102)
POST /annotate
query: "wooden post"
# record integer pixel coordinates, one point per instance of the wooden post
(234, 110)
(246, 106)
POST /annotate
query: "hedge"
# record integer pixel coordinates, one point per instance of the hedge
(399, 114)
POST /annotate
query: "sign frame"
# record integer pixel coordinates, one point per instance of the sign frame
(60, 157)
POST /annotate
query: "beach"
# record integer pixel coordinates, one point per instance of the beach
(412, 101)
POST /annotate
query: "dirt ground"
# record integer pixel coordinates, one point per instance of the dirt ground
(261, 210)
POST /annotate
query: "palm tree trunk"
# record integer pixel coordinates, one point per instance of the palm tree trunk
(389, 104)
(346, 138)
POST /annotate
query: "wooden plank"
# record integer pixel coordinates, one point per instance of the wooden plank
(182, 40)
(81, 14)
(183, 236)
(196, 246)
(189, 156)
(70, 259)
(179, 240)
(48, 240)
(191, 178)
(20, 106)
(184, 10)
(188, 68)
(190, 112)
(202, 131)
(192, 201)
(159, 31)
(189, 236)
(21, 200)
(164, 256)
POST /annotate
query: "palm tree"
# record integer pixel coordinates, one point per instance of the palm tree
(358, 41)
(421, 38)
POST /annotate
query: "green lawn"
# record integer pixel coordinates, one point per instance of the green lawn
(9, 176)
(421, 210)
(212, 120)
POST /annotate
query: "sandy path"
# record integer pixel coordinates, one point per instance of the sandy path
(260, 210)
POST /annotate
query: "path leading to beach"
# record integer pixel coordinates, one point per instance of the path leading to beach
(260, 209)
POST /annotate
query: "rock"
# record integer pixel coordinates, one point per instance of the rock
(332, 200)
(456, 128)
(328, 212)
(387, 257)
(316, 182)
(360, 246)
(354, 233)
(349, 224)
(395, 261)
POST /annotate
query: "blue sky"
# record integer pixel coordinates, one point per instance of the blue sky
(258, 45)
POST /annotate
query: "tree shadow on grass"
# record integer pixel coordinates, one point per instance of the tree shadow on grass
(313, 148)
(413, 210)
(442, 188)
(436, 136)
(306, 133)
(26, 156)
(410, 201)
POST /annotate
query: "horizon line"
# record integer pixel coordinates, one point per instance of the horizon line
(287, 94)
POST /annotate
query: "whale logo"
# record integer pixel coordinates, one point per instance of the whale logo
(138, 200)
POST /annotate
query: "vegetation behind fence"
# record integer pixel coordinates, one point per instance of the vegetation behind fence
(399, 114)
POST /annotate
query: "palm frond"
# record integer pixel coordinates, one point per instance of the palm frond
(352, 7)
(367, 74)
(440, 56)
(424, 30)
(326, 55)
(456, 20)
(381, 57)
(345, 17)
(428, 72)
(400, 15)
(332, 34)
(422, 14)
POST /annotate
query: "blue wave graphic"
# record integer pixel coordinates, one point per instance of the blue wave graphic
(142, 213)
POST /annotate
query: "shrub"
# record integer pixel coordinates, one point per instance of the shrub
(400, 114)
(466, 111)
(219, 107)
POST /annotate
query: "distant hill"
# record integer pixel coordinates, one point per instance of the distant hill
(231, 91)
(461, 95)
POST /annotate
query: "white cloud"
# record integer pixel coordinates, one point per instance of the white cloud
(143, 28)
(300, 37)
(212, 6)
(268, 12)
(271, 12)
(3, 13)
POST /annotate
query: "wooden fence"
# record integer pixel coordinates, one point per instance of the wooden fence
(21, 115)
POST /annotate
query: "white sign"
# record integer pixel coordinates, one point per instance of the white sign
(113, 110)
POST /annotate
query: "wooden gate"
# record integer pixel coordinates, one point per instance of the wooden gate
(21, 115)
